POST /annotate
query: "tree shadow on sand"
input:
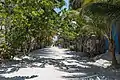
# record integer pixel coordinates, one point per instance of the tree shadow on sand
(76, 66)
(12, 66)
(17, 77)
(82, 70)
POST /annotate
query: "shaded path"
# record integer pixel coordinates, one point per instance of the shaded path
(55, 64)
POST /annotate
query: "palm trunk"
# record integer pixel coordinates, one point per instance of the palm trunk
(112, 52)
(112, 44)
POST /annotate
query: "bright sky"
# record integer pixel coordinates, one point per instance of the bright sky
(65, 6)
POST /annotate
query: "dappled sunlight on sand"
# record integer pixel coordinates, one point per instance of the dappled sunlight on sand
(49, 72)
(42, 73)
(55, 63)
(101, 63)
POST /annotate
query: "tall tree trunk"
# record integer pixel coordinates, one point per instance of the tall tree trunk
(112, 44)
(112, 51)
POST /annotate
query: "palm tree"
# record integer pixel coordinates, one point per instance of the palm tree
(111, 14)
(102, 15)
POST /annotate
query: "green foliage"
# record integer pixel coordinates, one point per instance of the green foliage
(26, 23)
(98, 15)
(31, 24)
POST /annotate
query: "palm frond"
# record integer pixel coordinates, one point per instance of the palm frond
(103, 9)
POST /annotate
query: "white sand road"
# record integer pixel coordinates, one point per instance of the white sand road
(56, 64)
